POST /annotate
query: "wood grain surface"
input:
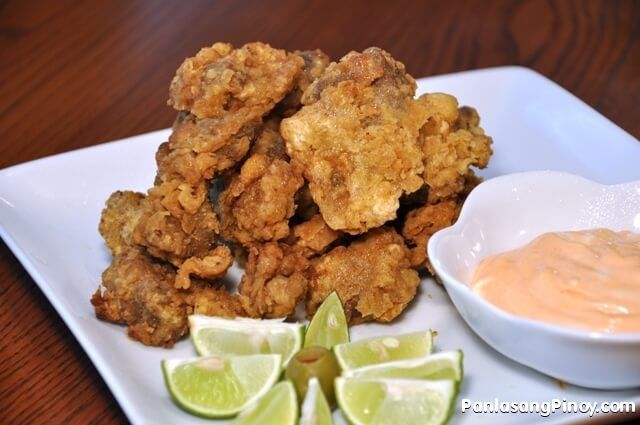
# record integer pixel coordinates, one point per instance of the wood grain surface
(78, 73)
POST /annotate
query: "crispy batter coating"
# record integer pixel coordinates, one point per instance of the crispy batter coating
(119, 219)
(356, 140)
(199, 149)
(315, 62)
(277, 273)
(172, 238)
(223, 94)
(248, 81)
(212, 266)
(139, 292)
(452, 142)
(372, 276)
(421, 223)
(257, 205)
(275, 280)
(312, 237)
(305, 161)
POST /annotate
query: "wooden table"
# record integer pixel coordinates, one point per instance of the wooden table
(74, 74)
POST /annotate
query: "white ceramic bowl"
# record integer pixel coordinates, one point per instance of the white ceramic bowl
(507, 212)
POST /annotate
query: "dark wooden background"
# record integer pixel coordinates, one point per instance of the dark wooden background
(78, 73)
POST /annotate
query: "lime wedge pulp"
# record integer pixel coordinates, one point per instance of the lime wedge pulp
(328, 326)
(383, 349)
(220, 386)
(214, 335)
(279, 406)
(315, 408)
(367, 401)
(444, 365)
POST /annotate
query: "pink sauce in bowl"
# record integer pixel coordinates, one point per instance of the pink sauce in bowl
(586, 279)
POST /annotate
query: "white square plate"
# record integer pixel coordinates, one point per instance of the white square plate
(50, 208)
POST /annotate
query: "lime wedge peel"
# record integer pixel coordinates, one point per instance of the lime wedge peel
(315, 408)
(383, 349)
(328, 327)
(443, 365)
(219, 386)
(279, 406)
(366, 401)
(214, 335)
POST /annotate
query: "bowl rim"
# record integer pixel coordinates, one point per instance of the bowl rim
(560, 330)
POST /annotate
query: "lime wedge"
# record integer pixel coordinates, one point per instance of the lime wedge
(328, 326)
(219, 386)
(383, 349)
(214, 335)
(277, 407)
(445, 365)
(366, 401)
(315, 408)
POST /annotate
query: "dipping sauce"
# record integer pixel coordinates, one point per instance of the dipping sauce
(588, 279)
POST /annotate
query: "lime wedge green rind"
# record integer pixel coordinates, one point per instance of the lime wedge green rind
(214, 335)
(328, 327)
(383, 349)
(279, 406)
(366, 401)
(315, 408)
(443, 365)
(219, 386)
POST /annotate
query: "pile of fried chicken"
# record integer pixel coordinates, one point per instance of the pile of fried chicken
(314, 176)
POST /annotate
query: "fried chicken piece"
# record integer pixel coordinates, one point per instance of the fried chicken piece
(175, 238)
(356, 140)
(122, 214)
(248, 81)
(119, 219)
(312, 237)
(372, 276)
(421, 223)
(223, 94)
(275, 280)
(315, 62)
(212, 266)
(269, 143)
(139, 292)
(257, 205)
(452, 142)
(198, 149)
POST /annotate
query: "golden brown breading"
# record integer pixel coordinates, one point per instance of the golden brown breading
(355, 145)
(199, 149)
(452, 142)
(223, 94)
(312, 237)
(372, 276)
(214, 265)
(275, 280)
(175, 237)
(139, 292)
(248, 81)
(356, 140)
(315, 62)
(257, 205)
(119, 219)
(269, 142)
(214, 301)
(421, 223)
